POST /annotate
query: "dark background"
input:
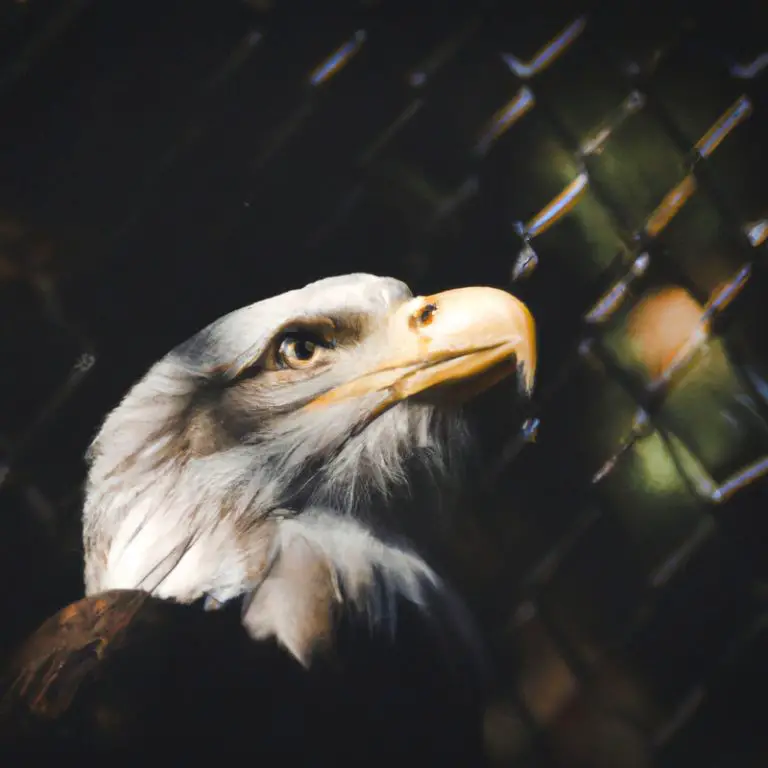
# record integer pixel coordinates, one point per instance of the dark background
(164, 162)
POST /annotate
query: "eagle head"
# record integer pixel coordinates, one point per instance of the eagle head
(272, 456)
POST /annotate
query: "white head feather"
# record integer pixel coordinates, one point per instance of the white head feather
(204, 485)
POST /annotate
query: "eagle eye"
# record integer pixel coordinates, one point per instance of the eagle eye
(299, 350)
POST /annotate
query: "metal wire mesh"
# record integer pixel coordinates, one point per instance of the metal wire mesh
(606, 165)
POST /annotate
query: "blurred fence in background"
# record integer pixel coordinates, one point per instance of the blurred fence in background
(161, 164)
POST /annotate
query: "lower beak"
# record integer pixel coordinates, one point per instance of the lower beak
(454, 344)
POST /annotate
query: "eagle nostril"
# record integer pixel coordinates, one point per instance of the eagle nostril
(425, 315)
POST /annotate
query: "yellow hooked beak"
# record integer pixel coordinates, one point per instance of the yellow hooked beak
(451, 345)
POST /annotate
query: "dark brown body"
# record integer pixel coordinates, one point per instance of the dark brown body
(124, 671)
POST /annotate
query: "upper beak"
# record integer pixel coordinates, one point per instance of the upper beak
(456, 343)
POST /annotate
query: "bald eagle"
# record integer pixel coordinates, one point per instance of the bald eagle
(271, 456)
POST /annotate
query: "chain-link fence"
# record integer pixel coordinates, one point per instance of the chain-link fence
(164, 163)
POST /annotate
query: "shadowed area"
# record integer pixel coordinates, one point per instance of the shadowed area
(125, 671)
